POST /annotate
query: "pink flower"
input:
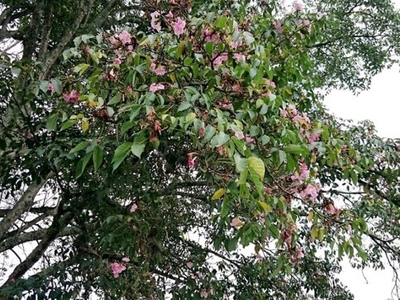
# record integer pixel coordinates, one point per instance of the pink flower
(113, 40)
(283, 113)
(220, 59)
(126, 259)
(314, 137)
(269, 83)
(210, 36)
(178, 26)
(292, 109)
(239, 57)
(309, 192)
(236, 222)
(301, 119)
(154, 87)
(226, 105)
(72, 97)
(117, 61)
(278, 27)
(304, 173)
(248, 139)
(191, 162)
(155, 22)
(203, 293)
(297, 6)
(299, 253)
(234, 45)
(134, 207)
(201, 131)
(169, 14)
(125, 37)
(189, 264)
(158, 70)
(239, 135)
(51, 88)
(117, 269)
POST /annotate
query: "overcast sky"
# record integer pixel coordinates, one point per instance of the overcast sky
(380, 104)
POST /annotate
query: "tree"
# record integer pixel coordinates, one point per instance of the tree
(186, 152)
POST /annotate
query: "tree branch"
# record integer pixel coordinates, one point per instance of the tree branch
(23, 204)
(34, 236)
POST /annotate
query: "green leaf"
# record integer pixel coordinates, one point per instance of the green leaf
(120, 153)
(240, 162)
(126, 126)
(209, 133)
(209, 48)
(81, 68)
(51, 124)
(57, 85)
(231, 244)
(68, 124)
(184, 106)
(137, 149)
(82, 145)
(220, 139)
(80, 167)
(97, 157)
(295, 149)
(116, 99)
(226, 203)
(257, 165)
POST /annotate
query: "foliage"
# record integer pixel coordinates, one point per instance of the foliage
(190, 156)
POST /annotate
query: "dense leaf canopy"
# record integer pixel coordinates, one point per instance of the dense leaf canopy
(176, 149)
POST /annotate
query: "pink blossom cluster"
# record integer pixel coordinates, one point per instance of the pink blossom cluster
(72, 96)
(278, 27)
(51, 88)
(247, 138)
(155, 21)
(219, 60)
(297, 6)
(178, 25)
(304, 173)
(211, 36)
(157, 69)
(124, 37)
(306, 24)
(154, 87)
(310, 192)
(239, 57)
(269, 83)
(118, 268)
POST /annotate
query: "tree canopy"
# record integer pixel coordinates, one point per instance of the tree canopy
(178, 149)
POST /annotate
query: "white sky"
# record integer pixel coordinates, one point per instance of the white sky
(380, 104)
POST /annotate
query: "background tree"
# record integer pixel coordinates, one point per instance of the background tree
(183, 149)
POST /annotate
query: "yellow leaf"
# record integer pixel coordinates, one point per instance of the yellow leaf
(321, 234)
(93, 104)
(181, 48)
(85, 125)
(218, 194)
(310, 216)
(172, 76)
(314, 232)
(257, 165)
(190, 117)
(265, 206)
